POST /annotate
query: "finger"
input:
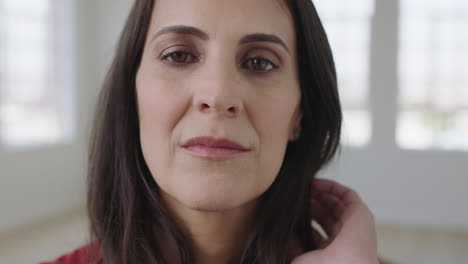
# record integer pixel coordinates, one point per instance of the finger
(331, 227)
(319, 236)
(333, 204)
(348, 196)
(323, 218)
(328, 205)
(320, 208)
(356, 226)
(333, 211)
(329, 186)
(326, 215)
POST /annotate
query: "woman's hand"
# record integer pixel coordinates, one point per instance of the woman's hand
(348, 223)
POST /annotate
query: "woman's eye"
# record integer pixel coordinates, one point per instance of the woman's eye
(260, 64)
(180, 57)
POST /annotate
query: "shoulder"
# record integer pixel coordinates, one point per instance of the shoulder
(82, 255)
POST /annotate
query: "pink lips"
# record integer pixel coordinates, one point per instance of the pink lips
(211, 148)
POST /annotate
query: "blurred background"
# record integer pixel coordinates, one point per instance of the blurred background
(404, 86)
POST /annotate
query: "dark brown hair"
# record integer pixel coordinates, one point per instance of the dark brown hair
(124, 205)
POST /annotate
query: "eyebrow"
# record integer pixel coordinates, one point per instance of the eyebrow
(188, 30)
(183, 30)
(262, 37)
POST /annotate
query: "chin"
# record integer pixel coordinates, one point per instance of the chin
(208, 206)
(218, 190)
(212, 199)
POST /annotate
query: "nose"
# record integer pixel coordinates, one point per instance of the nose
(219, 104)
(218, 93)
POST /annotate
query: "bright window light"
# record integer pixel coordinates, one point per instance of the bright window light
(433, 100)
(347, 24)
(35, 91)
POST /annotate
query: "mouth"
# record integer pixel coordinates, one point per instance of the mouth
(215, 149)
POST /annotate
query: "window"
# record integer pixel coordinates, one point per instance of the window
(35, 73)
(347, 24)
(417, 98)
(433, 75)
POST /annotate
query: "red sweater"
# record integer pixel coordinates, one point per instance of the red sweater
(79, 256)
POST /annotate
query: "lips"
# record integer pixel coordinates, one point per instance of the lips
(211, 148)
(214, 143)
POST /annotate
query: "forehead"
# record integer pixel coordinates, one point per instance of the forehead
(226, 18)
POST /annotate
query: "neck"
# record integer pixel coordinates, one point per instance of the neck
(215, 237)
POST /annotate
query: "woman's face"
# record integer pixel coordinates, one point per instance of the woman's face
(220, 69)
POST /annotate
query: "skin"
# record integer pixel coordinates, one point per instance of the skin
(191, 85)
(347, 221)
(216, 89)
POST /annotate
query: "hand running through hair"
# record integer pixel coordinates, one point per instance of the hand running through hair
(348, 223)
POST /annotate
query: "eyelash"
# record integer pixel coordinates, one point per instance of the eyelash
(195, 59)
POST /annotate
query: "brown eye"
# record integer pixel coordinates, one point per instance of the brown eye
(260, 64)
(180, 57)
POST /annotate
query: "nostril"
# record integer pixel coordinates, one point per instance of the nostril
(208, 107)
(204, 106)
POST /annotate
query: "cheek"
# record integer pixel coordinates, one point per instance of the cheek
(273, 120)
(159, 109)
(160, 101)
(273, 127)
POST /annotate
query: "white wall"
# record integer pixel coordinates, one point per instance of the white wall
(403, 187)
(408, 187)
